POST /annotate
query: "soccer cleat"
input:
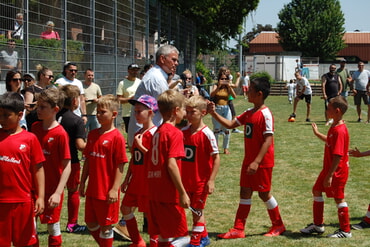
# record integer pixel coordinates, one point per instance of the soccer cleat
(293, 115)
(340, 234)
(275, 231)
(360, 226)
(231, 234)
(121, 230)
(75, 228)
(308, 120)
(140, 244)
(312, 228)
(236, 131)
(205, 241)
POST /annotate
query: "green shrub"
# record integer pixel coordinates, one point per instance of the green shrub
(261, 74)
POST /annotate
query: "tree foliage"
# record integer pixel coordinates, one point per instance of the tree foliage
(313, 27)
(216, 20)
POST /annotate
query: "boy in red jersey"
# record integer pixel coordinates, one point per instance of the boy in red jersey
(135, 184)
(54, 142)
(21, 160)
(200, 165)
(74, 126)
(105, 157)
(167, 195)
(256, 172)
(333, 177)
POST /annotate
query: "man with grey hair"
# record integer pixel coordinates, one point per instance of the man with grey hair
(155, 82)
(17, 32)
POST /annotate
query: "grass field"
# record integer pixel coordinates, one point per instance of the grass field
(298, 160)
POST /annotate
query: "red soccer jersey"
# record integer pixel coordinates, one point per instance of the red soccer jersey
(19, 153)
(138, 165)
(55, 146)
(257, 124)
(198, 162)
(167, 143)
(337, 143)
(104, 153)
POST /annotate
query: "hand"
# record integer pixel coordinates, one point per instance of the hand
(54, 200)
(81, 190)
(84, 118)
(184, 200)
(124, 186)
(354, 152)
(210, 187)
(327, 181)
(252, 168)
(314, 128)
(39, 206)
(138, 139)
(211, 107)
(112, 196)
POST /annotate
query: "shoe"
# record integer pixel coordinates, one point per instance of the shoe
(205, 241)
(340, 234)
(360, 226)
(293, 115)
(312, 228)
(275, 231)
(236, 131)
(121, 230)
(308, 120)
(359, 120)
(140, 244)
(75, 228)
(231, 234)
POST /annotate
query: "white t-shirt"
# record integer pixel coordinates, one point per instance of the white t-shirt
(304, 83)
(76, 82)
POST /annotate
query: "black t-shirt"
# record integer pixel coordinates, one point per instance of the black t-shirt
(75, 128)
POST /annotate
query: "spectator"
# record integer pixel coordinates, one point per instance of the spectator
(126, 91)
(17, 32)
(345, 77)
(49, 33)
(245, 85)
(304, 91)
(92, 94)
(9, 59)
(185, 84)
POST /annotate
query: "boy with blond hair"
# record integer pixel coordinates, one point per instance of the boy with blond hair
(54, 142)
(74, 126)
(200, 165)
(105, 157)
(258, 163)
(167, 195)
(21, 175)
(334, 174)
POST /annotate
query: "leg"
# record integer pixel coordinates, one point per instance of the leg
(296, 99)
(131, 223)
(358, 109)
(365, 223)
(106, 236)
(273, 210)
(308, 111)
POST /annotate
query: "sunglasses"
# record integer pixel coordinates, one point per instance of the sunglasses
(27, 80)
(49, 76)
(224, 79)
(17, 79)
(73, 70)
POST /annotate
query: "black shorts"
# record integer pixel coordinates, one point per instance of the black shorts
(307, 97)
(361, 95)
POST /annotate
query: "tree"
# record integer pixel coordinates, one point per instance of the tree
(313, 27)
(216, 20)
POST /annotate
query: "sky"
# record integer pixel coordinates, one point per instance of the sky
(356, 14)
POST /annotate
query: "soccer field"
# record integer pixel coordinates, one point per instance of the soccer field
(298, 161)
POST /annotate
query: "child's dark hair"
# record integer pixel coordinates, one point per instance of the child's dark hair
(339, 102)
(12, 101)
(262, 84)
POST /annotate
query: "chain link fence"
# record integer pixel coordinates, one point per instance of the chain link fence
(105, 36)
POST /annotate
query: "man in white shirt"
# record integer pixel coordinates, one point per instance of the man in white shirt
(70, 72)
(304, 91)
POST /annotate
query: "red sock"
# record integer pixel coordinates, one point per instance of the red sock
(55, 241)
(95, 234)
(164, 244)
(275, 216)
(133, 230)
(367, 218)
(205, 232)
(343, 216)
(318, 213)
(106, 242)
(73, 207)
(153, 241)
(197, 233)
(241, 216)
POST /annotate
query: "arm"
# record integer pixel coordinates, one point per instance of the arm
(232, 92)
(174, 172)
(317, 133)
(121, 99)
(54, 199)
(211, 182)
(84, 176)
(334, 166)
(39, 178)
(83, 108)
(340, 85)
(323, 83)
(357, 153)
(252, 168)
(113, 192)
(139, 143)
(237, 81)
(229, 124)
(80, 144)
(127, 179)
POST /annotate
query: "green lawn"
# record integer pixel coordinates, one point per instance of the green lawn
(298, 160)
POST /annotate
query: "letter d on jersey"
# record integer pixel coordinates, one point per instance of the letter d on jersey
(190, 152)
